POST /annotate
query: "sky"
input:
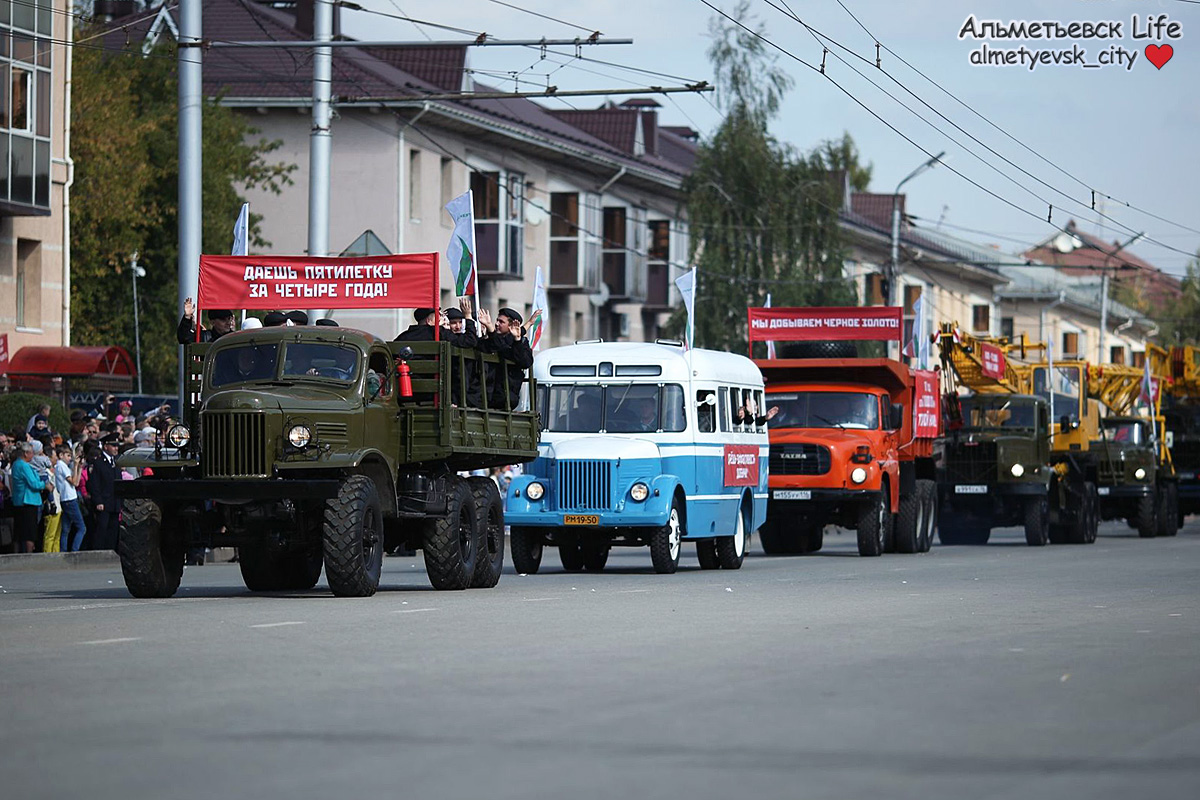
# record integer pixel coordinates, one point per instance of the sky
(1059, 130)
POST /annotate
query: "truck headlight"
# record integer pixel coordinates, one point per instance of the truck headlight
(1139, 473)
(858, 475)
(1017, 470)
(639, 492)
(299, 436)
(534, 491)
(179, 436)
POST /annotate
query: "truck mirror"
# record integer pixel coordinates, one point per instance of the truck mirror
(896, 418)
(708, 400)
(1065, 423)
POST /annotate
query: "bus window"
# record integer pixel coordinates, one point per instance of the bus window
(673, 417)
(723, 407)
(706, 411)
(575, 409)
(631, 409)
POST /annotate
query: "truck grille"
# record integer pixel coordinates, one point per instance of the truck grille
(584, 485)
(799, 459)
(971, 463)
(234, 445)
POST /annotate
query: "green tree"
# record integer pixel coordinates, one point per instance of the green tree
(1181, 321)
(763, 218)
(842, 154)
(125, 198)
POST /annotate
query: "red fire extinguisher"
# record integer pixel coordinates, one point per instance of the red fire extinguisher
(405, 379)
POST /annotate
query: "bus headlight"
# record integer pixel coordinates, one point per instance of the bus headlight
(858, 475)
(179, 436)
(534, 491)
(1139, 473)
(299, 436)
(639, 492)
(1017, 470)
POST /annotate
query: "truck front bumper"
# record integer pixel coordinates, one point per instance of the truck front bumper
(1124, 491)
(827, 496)
(185, 489)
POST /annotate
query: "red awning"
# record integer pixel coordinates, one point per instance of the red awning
(71, 362)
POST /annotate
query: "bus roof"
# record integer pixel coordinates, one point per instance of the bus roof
(675, 363)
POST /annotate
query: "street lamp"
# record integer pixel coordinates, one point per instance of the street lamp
(889, 295)
(1066, 243)
(137, 272)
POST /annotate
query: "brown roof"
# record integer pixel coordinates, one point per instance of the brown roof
(438, 66)
(875, 207)
(614, 125)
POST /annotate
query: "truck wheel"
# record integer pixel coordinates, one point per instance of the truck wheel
(1037, 522)
(353, 539)
(909, 523)
(1083, 530)
(258, 569)
(453, 543)
(1167, 511)
(1093, 526)
(706, 554)
(666, 542)
(152, 567)
(594, 554)
(526, 546)
(927, 491)
(731, 550)
(265, 571)
(873, 521)
(489, 518)
(811, 538)
(1144, 516)
(570, 554)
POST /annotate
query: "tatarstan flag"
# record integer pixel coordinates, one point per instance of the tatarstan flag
(461, 252)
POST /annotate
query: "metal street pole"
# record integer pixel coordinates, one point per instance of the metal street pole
(1100, 359)
(190, 198)
(137, 272)
(319, 140)
(889, 293)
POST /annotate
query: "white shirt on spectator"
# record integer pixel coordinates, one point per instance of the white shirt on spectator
(62, 482)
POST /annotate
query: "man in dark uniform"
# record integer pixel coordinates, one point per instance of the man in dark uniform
(461, 334)
(101, 486)
(220, 320)
(506, 338)
(297, 317)
(422, 329)
(274, 319)
(327, 322)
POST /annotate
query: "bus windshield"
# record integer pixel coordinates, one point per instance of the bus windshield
(614, 408)
(997, 413)
(857, 410)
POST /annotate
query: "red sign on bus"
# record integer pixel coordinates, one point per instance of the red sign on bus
(741, 465)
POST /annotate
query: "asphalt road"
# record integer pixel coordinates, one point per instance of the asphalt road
(986, 672)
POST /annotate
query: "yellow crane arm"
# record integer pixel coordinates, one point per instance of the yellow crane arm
(962, 358)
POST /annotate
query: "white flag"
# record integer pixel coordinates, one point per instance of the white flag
(686, 283)
(920, 313)
(537, 319)
(461, 252)
(241, 232)
(770, 345)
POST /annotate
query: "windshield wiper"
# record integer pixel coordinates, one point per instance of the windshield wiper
(838, 425)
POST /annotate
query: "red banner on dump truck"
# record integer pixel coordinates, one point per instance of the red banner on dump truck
(277, 282)
(925, 404)
(741, 465)
(992, 359)
(882, 323)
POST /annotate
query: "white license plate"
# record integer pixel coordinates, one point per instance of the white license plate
(1187, 476)
(792, 494)
(1103, 490)
(970, 488)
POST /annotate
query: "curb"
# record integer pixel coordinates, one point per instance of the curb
(44, 562)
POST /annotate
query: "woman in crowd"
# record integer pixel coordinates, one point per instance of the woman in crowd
(26, 496)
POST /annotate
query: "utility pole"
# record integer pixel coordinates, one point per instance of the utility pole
(889, 294)
(137, 272)
(319, 142)
(190, 202)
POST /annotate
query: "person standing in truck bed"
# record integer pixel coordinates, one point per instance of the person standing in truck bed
(505, 338)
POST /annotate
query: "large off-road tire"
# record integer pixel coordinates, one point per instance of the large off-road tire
(1145, 516)
(927, 491)
(706, 554)
(666, 542)
(909, 523)
(1037, 521)
(352, 538)
(151, 562)
(1168, 510)
(525, 545)
(489, 518)
(570, 554)
(454, 542)
(805, 538)
(874, 518)
(731, 550)
(1083, 530)
(594, 553)
(267, 571)
(818, 350)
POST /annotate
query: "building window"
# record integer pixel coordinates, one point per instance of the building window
(22, 83)
(1117, 355)
(499, 226)
(873, 289)
(514, 224)
(1070, 345)
(981, 318)
(613, 255)
(414, 185)
(26, 97)
(658, 267)
(447, 177)
(1139, 360)
(574, 251)
(1006, 328)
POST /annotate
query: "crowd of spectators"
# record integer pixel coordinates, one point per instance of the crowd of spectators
(57, 488)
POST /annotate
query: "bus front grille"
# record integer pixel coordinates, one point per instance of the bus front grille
(584, 485)
(234, 445)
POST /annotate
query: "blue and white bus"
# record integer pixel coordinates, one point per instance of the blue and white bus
(642, 445)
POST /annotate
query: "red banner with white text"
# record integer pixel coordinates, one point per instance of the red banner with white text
(925, 404)
(991, 358)
(281, 282)
(741, 465)
(879, 323)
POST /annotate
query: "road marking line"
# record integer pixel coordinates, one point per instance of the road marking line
(276, 624)
(539, 599)
(413, 610)
(632, 591)
(114, 641)
(130, 603)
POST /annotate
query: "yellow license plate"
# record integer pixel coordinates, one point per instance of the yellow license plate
(581, 519)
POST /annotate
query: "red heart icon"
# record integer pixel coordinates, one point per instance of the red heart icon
(1159, 54)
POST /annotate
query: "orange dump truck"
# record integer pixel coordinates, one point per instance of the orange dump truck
(852, 444)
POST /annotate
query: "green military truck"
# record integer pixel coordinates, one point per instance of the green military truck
(302, 447)
(1131, 482)
(994, 468)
